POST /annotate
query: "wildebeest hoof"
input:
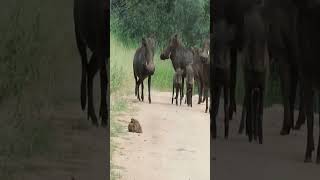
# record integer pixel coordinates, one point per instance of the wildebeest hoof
(134, 126)
(104, 123)
(285, 131)
(95, 123)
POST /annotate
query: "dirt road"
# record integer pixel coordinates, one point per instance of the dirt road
(174, 144)
(80, 149)
(279, 158)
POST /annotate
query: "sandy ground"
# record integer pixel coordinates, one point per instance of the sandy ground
(81, 149)
(174, 144)
(279, 158)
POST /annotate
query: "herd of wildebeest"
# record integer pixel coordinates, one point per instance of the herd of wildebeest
(264, 32)
(189, 64)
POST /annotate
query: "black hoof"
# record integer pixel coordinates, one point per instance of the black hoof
(95, 123)
(104, 124)
(285, 131)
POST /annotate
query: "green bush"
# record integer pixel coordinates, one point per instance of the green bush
(133, 19)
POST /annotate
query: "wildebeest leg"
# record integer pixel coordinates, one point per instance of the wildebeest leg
(215, 101)
(103, 86)
(255, 94)
(244, 112)
(83, 53)
(177, 95)
(302, 114)
(203, 94)
(191, 96)
(318, 151)
(172, 93)
(185, 101)
(206, 96)
(200, 92)
(93, 68)
(226, 110)
(260, 115)
(149, 87)
(250, 116)
(182, 88)
(142, 88)
(233, 81)
(138, 93)
(285, 88)
(308, 96)
(136, 87)
(292, 98)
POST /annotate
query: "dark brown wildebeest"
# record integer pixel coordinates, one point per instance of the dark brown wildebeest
(189, 84)
(220, 69)
(205, 59)
(256, 69)
(180, 57)
(308, 63)
(197, 66)
(91, 30)
(143, 65)
(280, 17)
(177, 84)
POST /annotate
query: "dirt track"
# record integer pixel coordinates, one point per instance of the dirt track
(279, 158)
(80, 150)
(174, 144)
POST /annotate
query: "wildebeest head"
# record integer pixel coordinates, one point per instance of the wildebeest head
(205, 52)
(223, 36)
(173, 44)
(149, 45)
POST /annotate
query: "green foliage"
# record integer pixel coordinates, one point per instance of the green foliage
(133, 19)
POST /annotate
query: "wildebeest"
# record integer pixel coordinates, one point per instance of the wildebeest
(255, 65)
(143, 65)
(189, 83)
(180, 56)
(198, 72)
(205, 59)
(91, 30)
(177, 85)
(308, 43)
(280, 19)
(220, 72)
